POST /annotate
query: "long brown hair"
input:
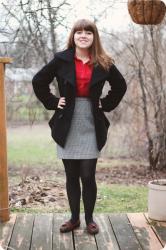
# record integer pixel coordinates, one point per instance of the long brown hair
(98, 55)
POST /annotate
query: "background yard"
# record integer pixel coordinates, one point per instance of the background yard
(37, 178)
(135, 149)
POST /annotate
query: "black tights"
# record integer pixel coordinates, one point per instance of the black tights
(85, 169)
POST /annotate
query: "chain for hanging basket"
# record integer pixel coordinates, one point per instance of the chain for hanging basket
(146, 11)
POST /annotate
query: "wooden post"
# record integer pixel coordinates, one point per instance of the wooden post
(4, 197)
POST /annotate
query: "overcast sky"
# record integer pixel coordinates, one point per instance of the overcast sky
(116, 17)
(113, 17)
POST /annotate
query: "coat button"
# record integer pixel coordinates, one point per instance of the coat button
(60, 116)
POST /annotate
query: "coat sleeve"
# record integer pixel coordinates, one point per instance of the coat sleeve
(41, 82)
(118, 89)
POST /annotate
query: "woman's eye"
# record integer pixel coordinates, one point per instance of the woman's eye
(89, 32)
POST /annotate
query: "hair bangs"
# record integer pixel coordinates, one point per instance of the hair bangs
(84, 25)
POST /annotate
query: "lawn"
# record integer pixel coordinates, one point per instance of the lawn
(34, 147)
(31, 146)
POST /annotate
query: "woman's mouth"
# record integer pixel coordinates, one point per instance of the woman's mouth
(83, 41)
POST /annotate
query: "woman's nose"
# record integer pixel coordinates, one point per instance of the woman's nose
(83, 33)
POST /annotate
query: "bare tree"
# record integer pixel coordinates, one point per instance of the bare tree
(35, 27)
(32, 38)
(144, 51)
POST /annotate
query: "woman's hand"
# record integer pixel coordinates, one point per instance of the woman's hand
(61, 103)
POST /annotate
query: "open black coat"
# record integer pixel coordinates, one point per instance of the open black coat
(62, 67)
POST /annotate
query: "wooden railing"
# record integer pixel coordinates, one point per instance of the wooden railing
(4, 197)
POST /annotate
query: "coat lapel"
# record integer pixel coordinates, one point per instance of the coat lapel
(69, 73)
(68, 69)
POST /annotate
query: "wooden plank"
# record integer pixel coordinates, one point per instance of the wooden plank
(131, 231)
(21, 237)
(105, 239)
(42, 232)
(6, 229)
(62, 241)
(159, 228)
(6, 60)
(4, 196)
(124, 233)
(83, 240)
(146, 236)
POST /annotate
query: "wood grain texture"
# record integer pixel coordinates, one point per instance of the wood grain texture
(63, 241)
(22, 233)
(6, 60)
(42, 232)
(131, 231)
(83, 240)
(4, 203)
(123, 230)
(159, 228)
(144, 232)
(106, 239)
(6, 230)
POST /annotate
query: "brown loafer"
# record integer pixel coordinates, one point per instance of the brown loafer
(92, 228)
(68, 226)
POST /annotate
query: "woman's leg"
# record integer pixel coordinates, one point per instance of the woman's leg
(73, 186)
(89, 191)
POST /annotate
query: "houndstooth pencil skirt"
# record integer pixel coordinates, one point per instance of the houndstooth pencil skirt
(81, 140)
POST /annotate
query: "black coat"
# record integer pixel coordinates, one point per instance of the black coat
(63, 68)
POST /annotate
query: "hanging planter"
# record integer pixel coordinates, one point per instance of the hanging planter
(146, 11)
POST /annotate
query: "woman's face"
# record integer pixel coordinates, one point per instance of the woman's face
(83, 39)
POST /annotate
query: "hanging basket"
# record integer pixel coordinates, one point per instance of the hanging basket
(146, 11)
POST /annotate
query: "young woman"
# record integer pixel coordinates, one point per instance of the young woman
(79, 125)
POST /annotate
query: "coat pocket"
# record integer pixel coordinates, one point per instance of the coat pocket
(51, 121)
(102, 116)
(56, 116)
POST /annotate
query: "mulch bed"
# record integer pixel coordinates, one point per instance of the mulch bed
(45, 187)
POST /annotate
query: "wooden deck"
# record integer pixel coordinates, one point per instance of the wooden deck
(131, 231)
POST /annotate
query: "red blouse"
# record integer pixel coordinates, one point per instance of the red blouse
(83, 77)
